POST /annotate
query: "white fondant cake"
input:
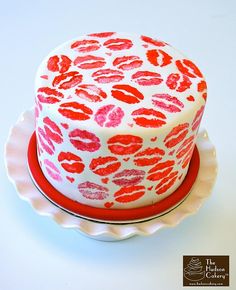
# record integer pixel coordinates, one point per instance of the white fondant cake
(116, 119)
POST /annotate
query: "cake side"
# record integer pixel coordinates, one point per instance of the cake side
(117, 118)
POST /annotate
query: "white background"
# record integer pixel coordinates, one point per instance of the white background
(36, 253)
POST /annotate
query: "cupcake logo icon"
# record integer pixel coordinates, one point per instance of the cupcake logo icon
(194, 270)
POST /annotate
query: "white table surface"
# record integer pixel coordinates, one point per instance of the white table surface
(36, 253)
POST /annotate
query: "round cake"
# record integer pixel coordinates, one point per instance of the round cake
(117, 117)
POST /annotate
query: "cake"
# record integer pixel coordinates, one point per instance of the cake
(194, 270)
(117, 117)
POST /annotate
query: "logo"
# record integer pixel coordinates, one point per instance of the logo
(205, 270)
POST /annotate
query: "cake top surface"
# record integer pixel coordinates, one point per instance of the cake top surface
(116, 80)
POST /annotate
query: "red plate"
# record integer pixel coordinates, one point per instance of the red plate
(104, 214)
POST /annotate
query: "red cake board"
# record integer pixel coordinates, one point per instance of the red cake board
(104, 214)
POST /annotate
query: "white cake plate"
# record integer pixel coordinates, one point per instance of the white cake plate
(16, 163)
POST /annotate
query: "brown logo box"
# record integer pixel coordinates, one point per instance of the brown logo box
(206, 271)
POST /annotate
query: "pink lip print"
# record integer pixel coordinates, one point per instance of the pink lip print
(128, 177)
(152, 41)
(48, 95)
(93, 191)
(118, 44)
(59, 63)
(90, 93)
(44, 142)
(52, 130)
(102, 34)
(167, 103)
(127, 62)
(89, 62)
(84, 140)
(197, 119)
(178, 82)
(109, 116)
(147, 78)
(104, 76)
(52, 170)
(86, 45)
(67, 80)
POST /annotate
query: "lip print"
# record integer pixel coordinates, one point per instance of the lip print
(52, 170)
(161, 170)
(59, 63)
(102, 34)
(127, 62)
(148, 156)
(187, 157)
(45, 142)
(104, 76)
(84, 140)
(52, 130)
(124, 144)
(93, 191)
(202, 87)
(128, 177)
(89, 62)
(152, 41)
(167, 103)
(176, 135)
(49, 96)
(147, 78)
(90, 93)
(118, 44)
(158, 57)
(149, 118)
(188, 68)
(129, 193)
(185, 147)
(178, 83)
(86, 45)
(109, 116)
(67, 80)
(71, 162)
(75, 111)
(127, 94)
(197, 119)
(166, 183)
(104, 165)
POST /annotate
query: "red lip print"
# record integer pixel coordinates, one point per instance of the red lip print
(148, 156)
(188, 68)
(152, 41)
(67, 80)
(89, 62)
(155, 120)
(86, 45)
(59, 63)
(84, 140)
(109, 116)
(93, 191)
(147, 78)
(104, 165)
(185, 147)
(104, 76)
(197, 119)
(52, 130)
(166, 183)
(178, 83)
(176, 135)
(90, 93)
(49, 96)
(45, 142)
(124, 144)
(128, 62)
(127, 94)
(129, 193)
(167, 103)
(118, 44)
(75, 111)
(158, 57)
(102, 34)
(161, 170)
(53, 172)
(128, 177)
(71, 162)
(202, 87)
